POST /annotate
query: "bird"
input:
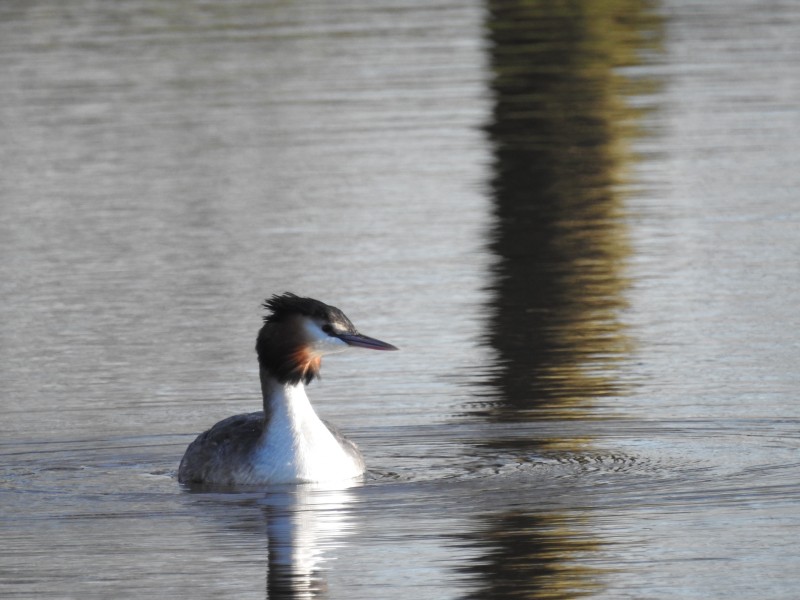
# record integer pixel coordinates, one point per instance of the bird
(286, 442)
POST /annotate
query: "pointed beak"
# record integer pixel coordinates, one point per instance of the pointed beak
(362, 341)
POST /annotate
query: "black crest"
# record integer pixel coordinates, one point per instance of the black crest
(286, 304)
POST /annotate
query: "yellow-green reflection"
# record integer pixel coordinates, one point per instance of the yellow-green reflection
(536, 556)
(560, 133)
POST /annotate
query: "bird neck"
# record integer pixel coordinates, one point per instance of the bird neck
(296, 445)
(284, 398)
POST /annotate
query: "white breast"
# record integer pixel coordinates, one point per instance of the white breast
(297, 446)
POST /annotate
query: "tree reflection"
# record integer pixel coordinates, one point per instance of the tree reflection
(535, 556)
(560, 131)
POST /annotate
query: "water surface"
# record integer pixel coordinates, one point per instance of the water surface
(579, 225)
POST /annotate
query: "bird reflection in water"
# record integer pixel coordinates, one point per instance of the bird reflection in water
(303, 524)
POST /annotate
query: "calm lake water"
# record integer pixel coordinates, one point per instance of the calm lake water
(581, 226)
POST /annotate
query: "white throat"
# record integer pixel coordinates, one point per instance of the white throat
(296, 445)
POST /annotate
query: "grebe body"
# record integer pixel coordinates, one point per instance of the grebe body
(286, 442)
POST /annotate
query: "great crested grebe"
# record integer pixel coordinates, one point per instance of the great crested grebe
(287, 442)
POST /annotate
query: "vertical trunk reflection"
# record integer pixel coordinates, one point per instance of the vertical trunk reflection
(560, 132)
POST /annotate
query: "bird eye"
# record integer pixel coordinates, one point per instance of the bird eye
(327, 328)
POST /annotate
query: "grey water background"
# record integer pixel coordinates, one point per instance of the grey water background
(579, 221)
